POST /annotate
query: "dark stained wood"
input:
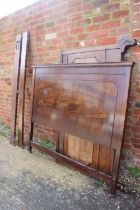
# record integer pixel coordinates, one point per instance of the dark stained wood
(87, 105)
(32, 111)
(96, 54)
(95, 156)
(15, 89)
(43, 70)
(105, 159)
(22, 89)
(57, 142)
(65, 145)
(94, 57)
(113, 55)
(77, 107)
(99, 54)
(60, 147)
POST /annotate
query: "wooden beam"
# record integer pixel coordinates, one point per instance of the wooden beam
(15, 89)
(22, 80)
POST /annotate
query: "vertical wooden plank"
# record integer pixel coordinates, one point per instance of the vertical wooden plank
(95, 156)
(85, 151)
(105, 159)
(57, 141)
(61, 142)
(22, 89)
(15, 89)
(32, 111)
(61, 57)
(78, 149)
(73, 147)
(66, 144)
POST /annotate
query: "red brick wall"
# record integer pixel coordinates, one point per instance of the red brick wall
(55, 25)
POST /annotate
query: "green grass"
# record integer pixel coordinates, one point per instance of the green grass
(134, 171)
(47, 143)
(4, 129)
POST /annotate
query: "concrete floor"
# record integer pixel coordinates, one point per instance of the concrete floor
(36, 182)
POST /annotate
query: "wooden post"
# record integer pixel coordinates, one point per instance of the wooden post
(15, 89)
(22, 89)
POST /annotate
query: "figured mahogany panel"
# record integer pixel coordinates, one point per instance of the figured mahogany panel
(94, 57)
(77, 107)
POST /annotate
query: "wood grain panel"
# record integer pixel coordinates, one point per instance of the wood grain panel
(79, 149)
(78, 107)
(105, 159)
(95, 156)
(91, 57)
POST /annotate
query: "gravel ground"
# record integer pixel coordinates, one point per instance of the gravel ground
(37, 182)
(127, 182)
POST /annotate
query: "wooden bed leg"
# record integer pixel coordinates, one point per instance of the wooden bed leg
(115, 171)
(113, 187)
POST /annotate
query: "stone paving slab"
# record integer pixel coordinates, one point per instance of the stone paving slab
(37, 182)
